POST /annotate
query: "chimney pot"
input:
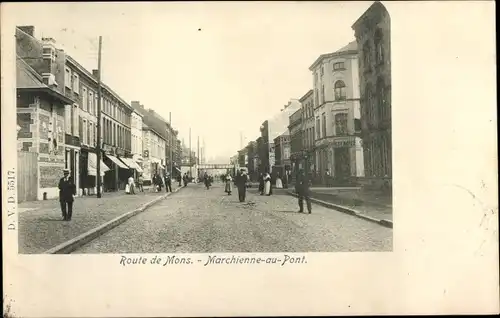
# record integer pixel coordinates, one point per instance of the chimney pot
(95, 73)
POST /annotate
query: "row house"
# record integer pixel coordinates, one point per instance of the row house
(296, 147)
(338, 145)
(116, 119)
(136, 136)
(372, 32)
(282, 150)
(307, 155)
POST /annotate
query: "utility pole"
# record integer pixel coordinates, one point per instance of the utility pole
(98, 148)
(198, 158)
(190, 155)
(171, 144)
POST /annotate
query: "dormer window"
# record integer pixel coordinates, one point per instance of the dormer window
(338, 66)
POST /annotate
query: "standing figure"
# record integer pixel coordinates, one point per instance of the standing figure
(158, 182)
(261, 184)
(67, 192)
(168, 182)
(285, 180)
(229, 185)
(206, 179)
(140, 183)
(279, 182)
(267, 184)
(241, 183)
(185, 179)
(179, 179)
(303, 190)
(131, 184)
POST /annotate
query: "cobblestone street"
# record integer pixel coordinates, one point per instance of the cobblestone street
(196, 220)
(41, 226)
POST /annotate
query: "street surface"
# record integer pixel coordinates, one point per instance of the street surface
(41, 226)
(196, 220)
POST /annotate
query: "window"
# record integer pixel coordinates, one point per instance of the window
(340, 92)
(76, 83)
(323, 117)
(67, 119)
(322, 71)
(91, 134)
(76, 121)
(366, 55)
(379, 50)
(94, 107)
(338, 66)
(67, 78)
(341, 124)
(84, 99)
(318, 126)
(90, 102)
(316, 97)
(381, 103)
(80, 128)
(323, 93)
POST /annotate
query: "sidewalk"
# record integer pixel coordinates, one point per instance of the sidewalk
(371, 203)
(41, 226)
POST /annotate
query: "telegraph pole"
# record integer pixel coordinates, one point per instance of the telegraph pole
(190, 155)
(171, 145)
(98, 148)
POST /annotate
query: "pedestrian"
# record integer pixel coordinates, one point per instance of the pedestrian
(261, 184)
(267, 184)
(179, 179)
(229, 186)
(303, 190)
(285, 180)
(185, 179)
(140, 183)
(67, 192)
(279, 182)
(206, 180)
(131, 184)
(168, 182)
(241, 183)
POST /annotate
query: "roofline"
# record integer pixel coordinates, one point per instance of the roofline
(306, 95)
(370, 8)
(48, 91)
(329, 55)
(149, 128)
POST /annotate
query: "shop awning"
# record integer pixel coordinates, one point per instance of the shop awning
(92, 165)
(132, 164)
(178, 169)
(117, 162)
(161, 166)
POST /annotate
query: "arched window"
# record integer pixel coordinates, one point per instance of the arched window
(379, 50)
(340, 93)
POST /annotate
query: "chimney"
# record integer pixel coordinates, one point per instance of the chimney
(49, 62)
(95, 73)
(28, 29)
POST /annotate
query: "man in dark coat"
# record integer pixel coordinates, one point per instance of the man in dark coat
(168, 182)
(261, 184)
(303, 191)
(67, 191)
(241, 183)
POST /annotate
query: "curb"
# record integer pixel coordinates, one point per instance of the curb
(383, 222)
(82, 239)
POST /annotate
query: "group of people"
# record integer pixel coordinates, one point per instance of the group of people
(240, 180)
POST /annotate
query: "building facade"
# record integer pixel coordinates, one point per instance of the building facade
(40, 112)
(338, 147)
(308, 154)
(136, 135)
(296, 146)
(282, 149)
(373, 35)
(271, 129)
(154, 146)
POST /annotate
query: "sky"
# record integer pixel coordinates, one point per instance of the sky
(219, 68)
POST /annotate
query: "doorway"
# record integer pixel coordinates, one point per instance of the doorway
(342, 165)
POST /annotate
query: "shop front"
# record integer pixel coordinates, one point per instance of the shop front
(92, 170)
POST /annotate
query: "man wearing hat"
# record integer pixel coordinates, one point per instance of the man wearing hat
(67, 191)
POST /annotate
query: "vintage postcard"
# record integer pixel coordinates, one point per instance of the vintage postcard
(249, 158)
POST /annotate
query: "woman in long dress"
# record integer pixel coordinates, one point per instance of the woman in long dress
(229, 185)
(267, 184)
(279, 183)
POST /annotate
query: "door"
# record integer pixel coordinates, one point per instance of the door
(342, 164)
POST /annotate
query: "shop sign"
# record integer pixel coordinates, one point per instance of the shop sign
(146, 154)
(344, 143)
